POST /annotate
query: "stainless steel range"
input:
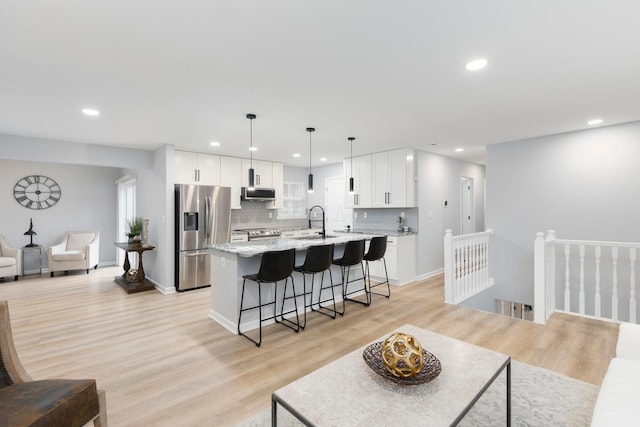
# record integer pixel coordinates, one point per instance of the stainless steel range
(262, 233)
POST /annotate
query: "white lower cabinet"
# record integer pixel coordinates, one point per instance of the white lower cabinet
(400, 258)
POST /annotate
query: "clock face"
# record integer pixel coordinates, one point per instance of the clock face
(37, 192)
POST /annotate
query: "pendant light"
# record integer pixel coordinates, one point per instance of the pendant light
(310, 189)
(351, 139)
(251, 171)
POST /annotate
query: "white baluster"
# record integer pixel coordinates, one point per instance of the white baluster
(614, 289)
(485, 261)
(598, 303)
(456, 267)
(581, 296)
(474, 266)
(632, 285)
(539, 276)
(567, 291)
(551, 278)
(449, 266)
(466, 269)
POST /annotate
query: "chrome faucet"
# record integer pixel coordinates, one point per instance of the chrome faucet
(323, 233)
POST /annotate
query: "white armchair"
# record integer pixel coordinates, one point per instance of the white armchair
(79, 250)
(10, 260)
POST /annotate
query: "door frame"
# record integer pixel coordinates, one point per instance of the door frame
(467, 205)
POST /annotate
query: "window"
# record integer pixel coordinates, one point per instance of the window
(126, 211)
(293, 201)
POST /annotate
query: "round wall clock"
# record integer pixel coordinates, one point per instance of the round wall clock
(37, 192)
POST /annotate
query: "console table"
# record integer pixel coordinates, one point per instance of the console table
(347, 392)
(134, 280)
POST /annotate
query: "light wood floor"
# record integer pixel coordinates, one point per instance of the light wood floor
(163, 362)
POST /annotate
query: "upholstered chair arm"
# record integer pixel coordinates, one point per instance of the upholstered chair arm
(9, 251)
(60, 247)
(10, 359)
(93, 251)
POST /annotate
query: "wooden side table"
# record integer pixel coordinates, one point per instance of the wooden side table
(134, 280)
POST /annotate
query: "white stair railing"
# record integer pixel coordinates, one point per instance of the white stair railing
(595, 275)
(466, 265)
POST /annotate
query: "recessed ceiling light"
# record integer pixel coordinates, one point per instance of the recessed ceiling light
(476, 64)
(90, 112)
(323, 159)
(296, 154)
(214, 144)
(594, 122)
(459, 150)
(253, 148)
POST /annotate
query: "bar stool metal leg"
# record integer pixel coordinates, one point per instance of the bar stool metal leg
(259, 307)
(283, 320)
(346, 293)
(386, 275)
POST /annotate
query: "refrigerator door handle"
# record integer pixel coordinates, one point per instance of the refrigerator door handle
(207, 219)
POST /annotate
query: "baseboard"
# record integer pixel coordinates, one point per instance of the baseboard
(163, 289)
(430, 274)
(225, 323)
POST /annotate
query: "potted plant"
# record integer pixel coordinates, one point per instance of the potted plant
(135, 229)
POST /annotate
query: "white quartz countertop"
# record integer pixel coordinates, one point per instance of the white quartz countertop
(393, 233)
(258, 247)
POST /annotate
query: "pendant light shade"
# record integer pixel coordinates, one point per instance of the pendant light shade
(251, 185)
(351, 139)
(310, 187)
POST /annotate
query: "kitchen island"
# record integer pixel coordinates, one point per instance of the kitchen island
(230, 261)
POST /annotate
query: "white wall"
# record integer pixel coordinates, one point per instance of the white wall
(439, 180)
(87, 203)
(320, 173)
(582, 184)
(87, 174)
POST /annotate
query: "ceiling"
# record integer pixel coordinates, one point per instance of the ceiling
(390, 74)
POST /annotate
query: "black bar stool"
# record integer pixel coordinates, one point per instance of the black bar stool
(353, 254)
(377, 249)
(274, 267)
(317, 260)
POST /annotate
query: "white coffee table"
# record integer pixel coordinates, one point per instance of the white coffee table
(347, 392)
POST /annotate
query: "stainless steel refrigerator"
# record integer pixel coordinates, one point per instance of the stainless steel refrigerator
(202, 217)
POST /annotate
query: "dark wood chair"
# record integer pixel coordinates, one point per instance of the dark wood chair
(25, 402)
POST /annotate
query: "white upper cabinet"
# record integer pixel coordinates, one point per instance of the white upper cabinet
(262, 170)
(361, 196)
(277, 182)
(393, 179)
(230, 176)
(266, 175)
(196, 168)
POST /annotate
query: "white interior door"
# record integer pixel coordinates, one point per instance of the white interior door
(467, 211)
(337, 215)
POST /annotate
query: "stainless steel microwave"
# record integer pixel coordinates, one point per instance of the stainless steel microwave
(258, 194)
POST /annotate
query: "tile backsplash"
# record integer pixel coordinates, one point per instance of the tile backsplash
(384, 218)
(254, 215)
